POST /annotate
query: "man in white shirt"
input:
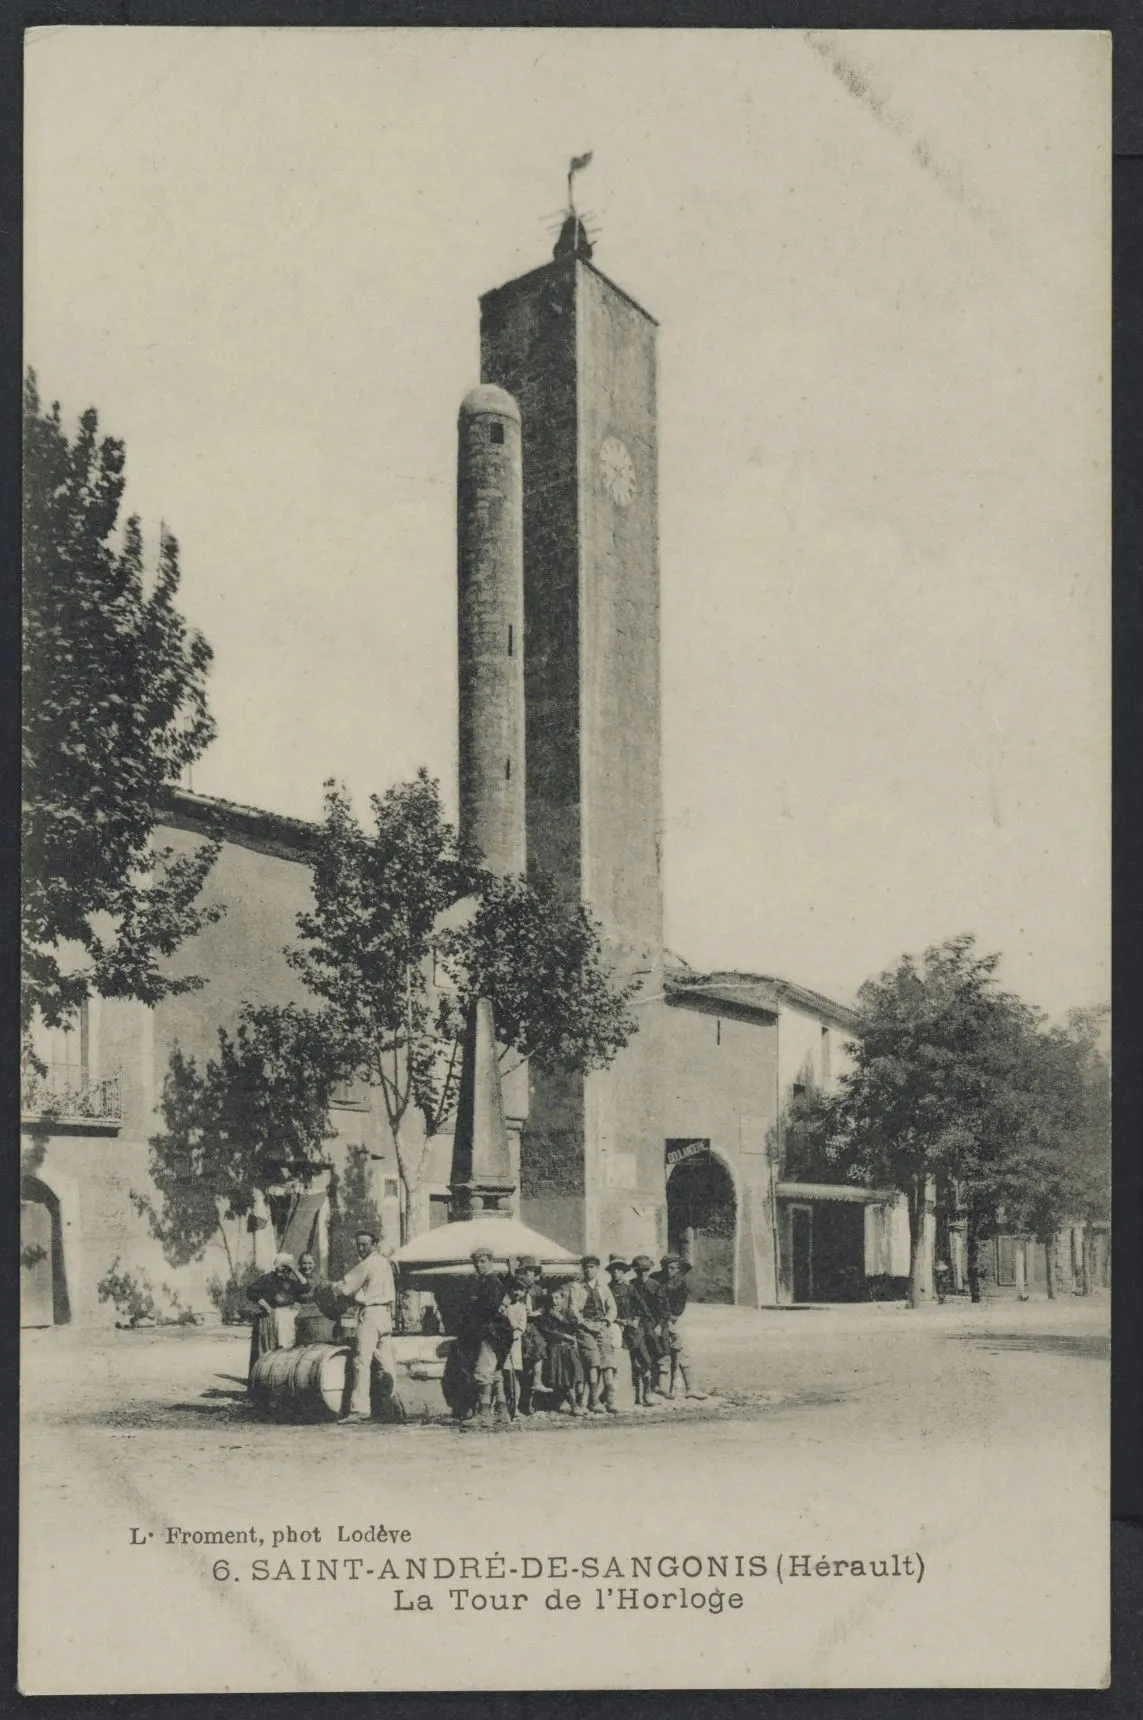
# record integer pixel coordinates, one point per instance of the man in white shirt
(371, 1285)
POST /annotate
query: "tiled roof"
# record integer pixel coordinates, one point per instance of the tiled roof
(248, 826)
(755, 994)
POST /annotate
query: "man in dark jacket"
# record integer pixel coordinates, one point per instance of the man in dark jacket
(649, 1307)
(485, 1333)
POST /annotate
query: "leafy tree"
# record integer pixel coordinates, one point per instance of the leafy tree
(407, 930)
(961, 1085)
(923, 1099)
(537, 957)
(235, 1126)
(114, 708)
(1055, 1167)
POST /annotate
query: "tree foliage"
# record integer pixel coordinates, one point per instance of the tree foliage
(959, 1086)
(237, 1124)
(932, 1059)
(114, 708)
(1055, 1163)
(407, 929)
(538, 959)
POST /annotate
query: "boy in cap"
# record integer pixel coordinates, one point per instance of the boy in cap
(533, 1348)
(626, 1330)
(649, 1307)
(515, 1312)
(672, 1277)
(596, 1312)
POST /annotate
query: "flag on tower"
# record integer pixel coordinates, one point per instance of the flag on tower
(579, 161)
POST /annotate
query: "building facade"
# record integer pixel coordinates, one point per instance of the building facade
(86, 1124)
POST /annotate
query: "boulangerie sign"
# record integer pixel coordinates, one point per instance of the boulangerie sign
(677, 1151)
(566, 837)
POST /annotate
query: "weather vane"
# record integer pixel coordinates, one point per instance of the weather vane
(576, 235)
(578, 163)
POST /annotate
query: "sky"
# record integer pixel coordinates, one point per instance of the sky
(880, 262)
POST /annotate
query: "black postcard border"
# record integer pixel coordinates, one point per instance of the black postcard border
(1124, 18)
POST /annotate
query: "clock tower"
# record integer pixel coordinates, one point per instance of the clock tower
(577, 354)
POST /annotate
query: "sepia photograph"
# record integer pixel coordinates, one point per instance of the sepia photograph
(565, 1042)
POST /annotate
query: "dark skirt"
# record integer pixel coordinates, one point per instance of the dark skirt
(262, 1337)
(564, 1369)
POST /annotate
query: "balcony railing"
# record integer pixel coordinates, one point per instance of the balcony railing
(68, 1094)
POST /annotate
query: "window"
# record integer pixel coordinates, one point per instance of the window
(510, 639)
(62, 1082)
(507, 770)
(350, 1094)
(65, 1049)
(495, 432)
(825, 1057)
(798, 1090)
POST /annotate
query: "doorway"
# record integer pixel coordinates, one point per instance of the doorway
(702, 1225)
(839, 1252)
(802, 1253)
(43, 1282)
(826, 1242)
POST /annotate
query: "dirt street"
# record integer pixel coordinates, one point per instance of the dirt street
(933, 1482)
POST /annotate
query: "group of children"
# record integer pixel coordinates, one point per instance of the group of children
(518, 1336)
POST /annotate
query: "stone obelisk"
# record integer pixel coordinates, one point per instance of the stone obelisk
(482, 1180)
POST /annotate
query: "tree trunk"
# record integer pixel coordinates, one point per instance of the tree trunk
(231, 1269)
(1085, 1260)
(1050, 1265)
(263, 1244)
(917, 1205)
(972, 1253)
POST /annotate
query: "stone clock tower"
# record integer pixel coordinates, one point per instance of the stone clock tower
(577, 355)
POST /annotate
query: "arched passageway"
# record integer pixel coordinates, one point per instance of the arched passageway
(43, 1281)
(702, 1225)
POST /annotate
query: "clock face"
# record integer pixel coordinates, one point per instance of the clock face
(617, 469)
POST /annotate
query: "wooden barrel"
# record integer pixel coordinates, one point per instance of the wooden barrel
(306, 1384)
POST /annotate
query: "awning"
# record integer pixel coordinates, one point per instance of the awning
(300, 1235)
(838, 1191)
(447, 1250)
